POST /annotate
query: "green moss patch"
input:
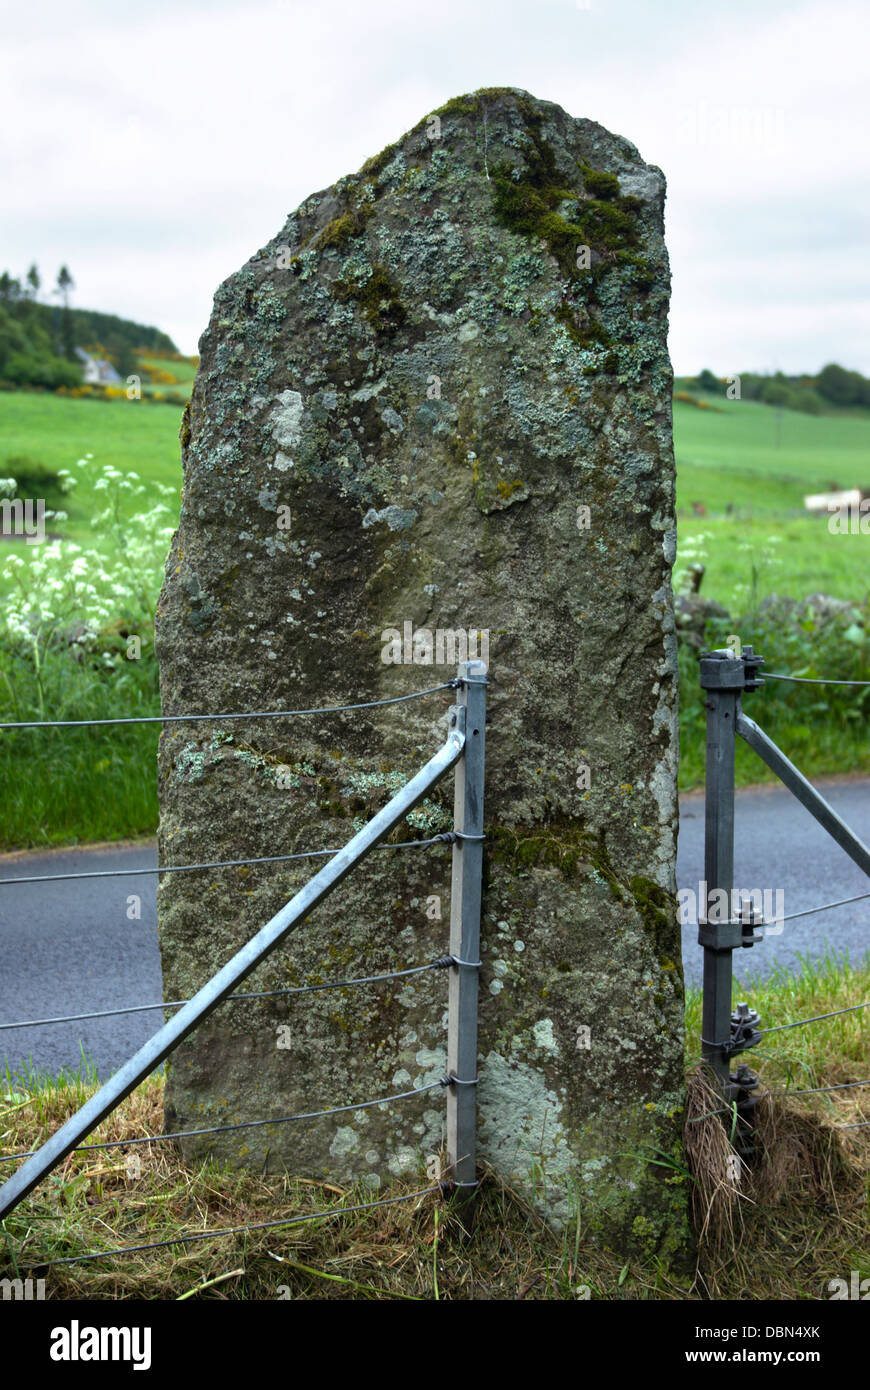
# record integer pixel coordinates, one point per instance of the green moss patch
(342, 229)
(656, 908)
(531, 203)
(378, 298)
(563, 845)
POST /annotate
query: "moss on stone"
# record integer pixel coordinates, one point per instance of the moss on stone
(473, 103)
(656, 908)
(340, 231)
(592, 334)
(527, 205)
(599, 182)
(378, 162)
(564, 845)
(529, 201)
(378, 297)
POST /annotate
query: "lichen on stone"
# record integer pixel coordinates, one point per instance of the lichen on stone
(433, 383)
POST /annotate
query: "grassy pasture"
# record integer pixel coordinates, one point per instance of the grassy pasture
(737, 456)
(57, 431)
(743, 458)
(182, 369)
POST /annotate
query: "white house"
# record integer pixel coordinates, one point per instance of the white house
(97, 372)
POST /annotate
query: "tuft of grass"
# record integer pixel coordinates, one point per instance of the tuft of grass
(798, 1217)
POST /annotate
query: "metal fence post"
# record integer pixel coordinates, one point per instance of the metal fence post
(465, 900)
(722, 678)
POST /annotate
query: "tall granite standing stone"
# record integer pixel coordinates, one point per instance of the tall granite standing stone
(437, 406)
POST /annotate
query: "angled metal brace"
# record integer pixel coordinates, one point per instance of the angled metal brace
(805, 792)
(152, 1053)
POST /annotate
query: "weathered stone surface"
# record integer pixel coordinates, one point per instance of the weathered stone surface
(426, 368)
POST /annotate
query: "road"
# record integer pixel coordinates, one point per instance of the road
(779, 846)
(76, 948)
(72, 948)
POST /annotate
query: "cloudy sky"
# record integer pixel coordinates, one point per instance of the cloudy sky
(155, 147)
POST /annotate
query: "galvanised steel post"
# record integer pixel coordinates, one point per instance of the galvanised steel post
(465, 901)
(722, 677)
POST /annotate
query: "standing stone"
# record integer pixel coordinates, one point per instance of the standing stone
(439, 401)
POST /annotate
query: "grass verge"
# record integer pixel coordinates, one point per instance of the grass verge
(783, 1230)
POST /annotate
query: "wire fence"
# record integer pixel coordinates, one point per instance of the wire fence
(453, 961)
(206, 718)
(246, 1124)
(447, 838)
(238, 1230)
(441, 964)
(444, 962)
(725, 675)
(810, 680)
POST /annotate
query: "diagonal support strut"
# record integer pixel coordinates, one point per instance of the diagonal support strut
(152, 1053)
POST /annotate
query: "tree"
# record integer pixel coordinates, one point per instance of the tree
(65, 283)
(122, 355)
(33, 280)
(10, 289)
(706, 381)
(839, 386)
(776, 393)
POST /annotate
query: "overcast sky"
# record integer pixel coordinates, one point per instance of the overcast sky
(155, 147)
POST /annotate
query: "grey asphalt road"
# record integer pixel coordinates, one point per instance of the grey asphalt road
(778, 845)
(73, 947)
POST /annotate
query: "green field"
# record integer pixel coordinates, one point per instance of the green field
(730, 458)
(748, 469)
(743, 457)
(57, 431)
(183, 369)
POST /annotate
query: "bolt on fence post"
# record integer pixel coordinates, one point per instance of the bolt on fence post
(722, 677)
(465, 902)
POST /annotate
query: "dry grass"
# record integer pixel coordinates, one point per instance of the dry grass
(780, 1229)
(716, 1170)
(800, 1214)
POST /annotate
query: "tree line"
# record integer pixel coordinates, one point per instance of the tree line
(832, 386)
(38, 340)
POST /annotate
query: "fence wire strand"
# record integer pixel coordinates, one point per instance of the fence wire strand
(234, 1230)
(808, 680)
(219, 864)
(441, 964)
(808, 911)
(816, 1018)
(817, 1090)
(244, 1124)
(198, 718)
